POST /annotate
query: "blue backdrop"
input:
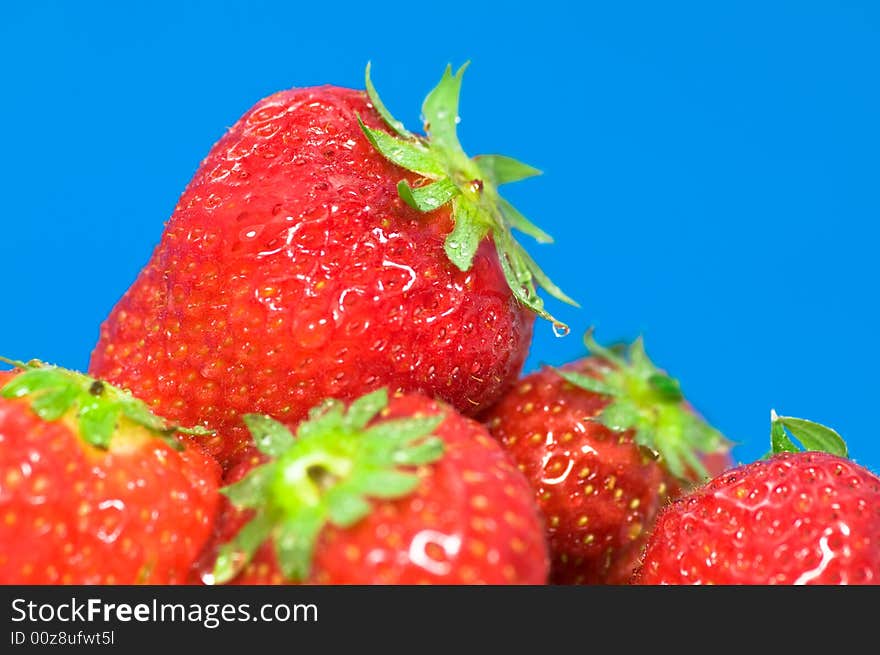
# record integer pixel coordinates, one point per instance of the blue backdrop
(711, 172)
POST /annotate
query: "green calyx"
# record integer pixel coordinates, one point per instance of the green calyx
(54, 392)
(648, 401)
(470, 186)
(812, 436)
(326, 474)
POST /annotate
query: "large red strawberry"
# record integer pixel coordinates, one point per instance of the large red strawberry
(316, 254)
(94, 489)
(400, 492)
(604, 442)
(808, 517)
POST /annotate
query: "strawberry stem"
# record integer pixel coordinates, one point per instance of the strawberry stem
(339, 459)
(648, 401)
(469, 186)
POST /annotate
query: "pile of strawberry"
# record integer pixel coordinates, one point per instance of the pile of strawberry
(339, 314)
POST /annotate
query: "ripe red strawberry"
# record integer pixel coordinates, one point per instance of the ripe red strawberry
(400, 492)
(795, 518)
(316, 256)
(604, 442)
(94, 489)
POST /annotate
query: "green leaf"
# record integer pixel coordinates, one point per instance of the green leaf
(440, 110)
(779, 441)
(521, 223)
(638, 359)
(366, 408)
(700, 434)
(429, 197)
(814, 436)
(668, 387)
(270, 436)
(587, 383)
(518, 276)
(380, 108)
(665, 445)
(401, 431)
(326, 417)
(695, 464)
(295, 542)
(327, 407)
(620, 415)
(600, 351)
(171, 441)
(197, 431)
(97, 421)
(545, 282)
(462, 242)
(410, 155)
(251, 490)
(648, 441)
(138, 412)
(387, 483)
(52, 404)
(236, 554)
(33, 380)
(424, 452)
(650, 402)
(345, 508)
(671, 459)
(502, 170)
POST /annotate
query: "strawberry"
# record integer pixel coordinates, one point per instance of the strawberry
(810, 517)
(322, 250)
(604, 442)
(94, 489)
(403, 491)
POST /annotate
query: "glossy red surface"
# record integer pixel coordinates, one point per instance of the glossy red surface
(291, 271)
(803, 518)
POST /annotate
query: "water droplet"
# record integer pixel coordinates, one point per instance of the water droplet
(434, 551)
(561, 330)
(312, 333)
(111, 524)
(219, 173)
(267, 113)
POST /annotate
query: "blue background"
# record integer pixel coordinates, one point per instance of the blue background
(711, 171)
